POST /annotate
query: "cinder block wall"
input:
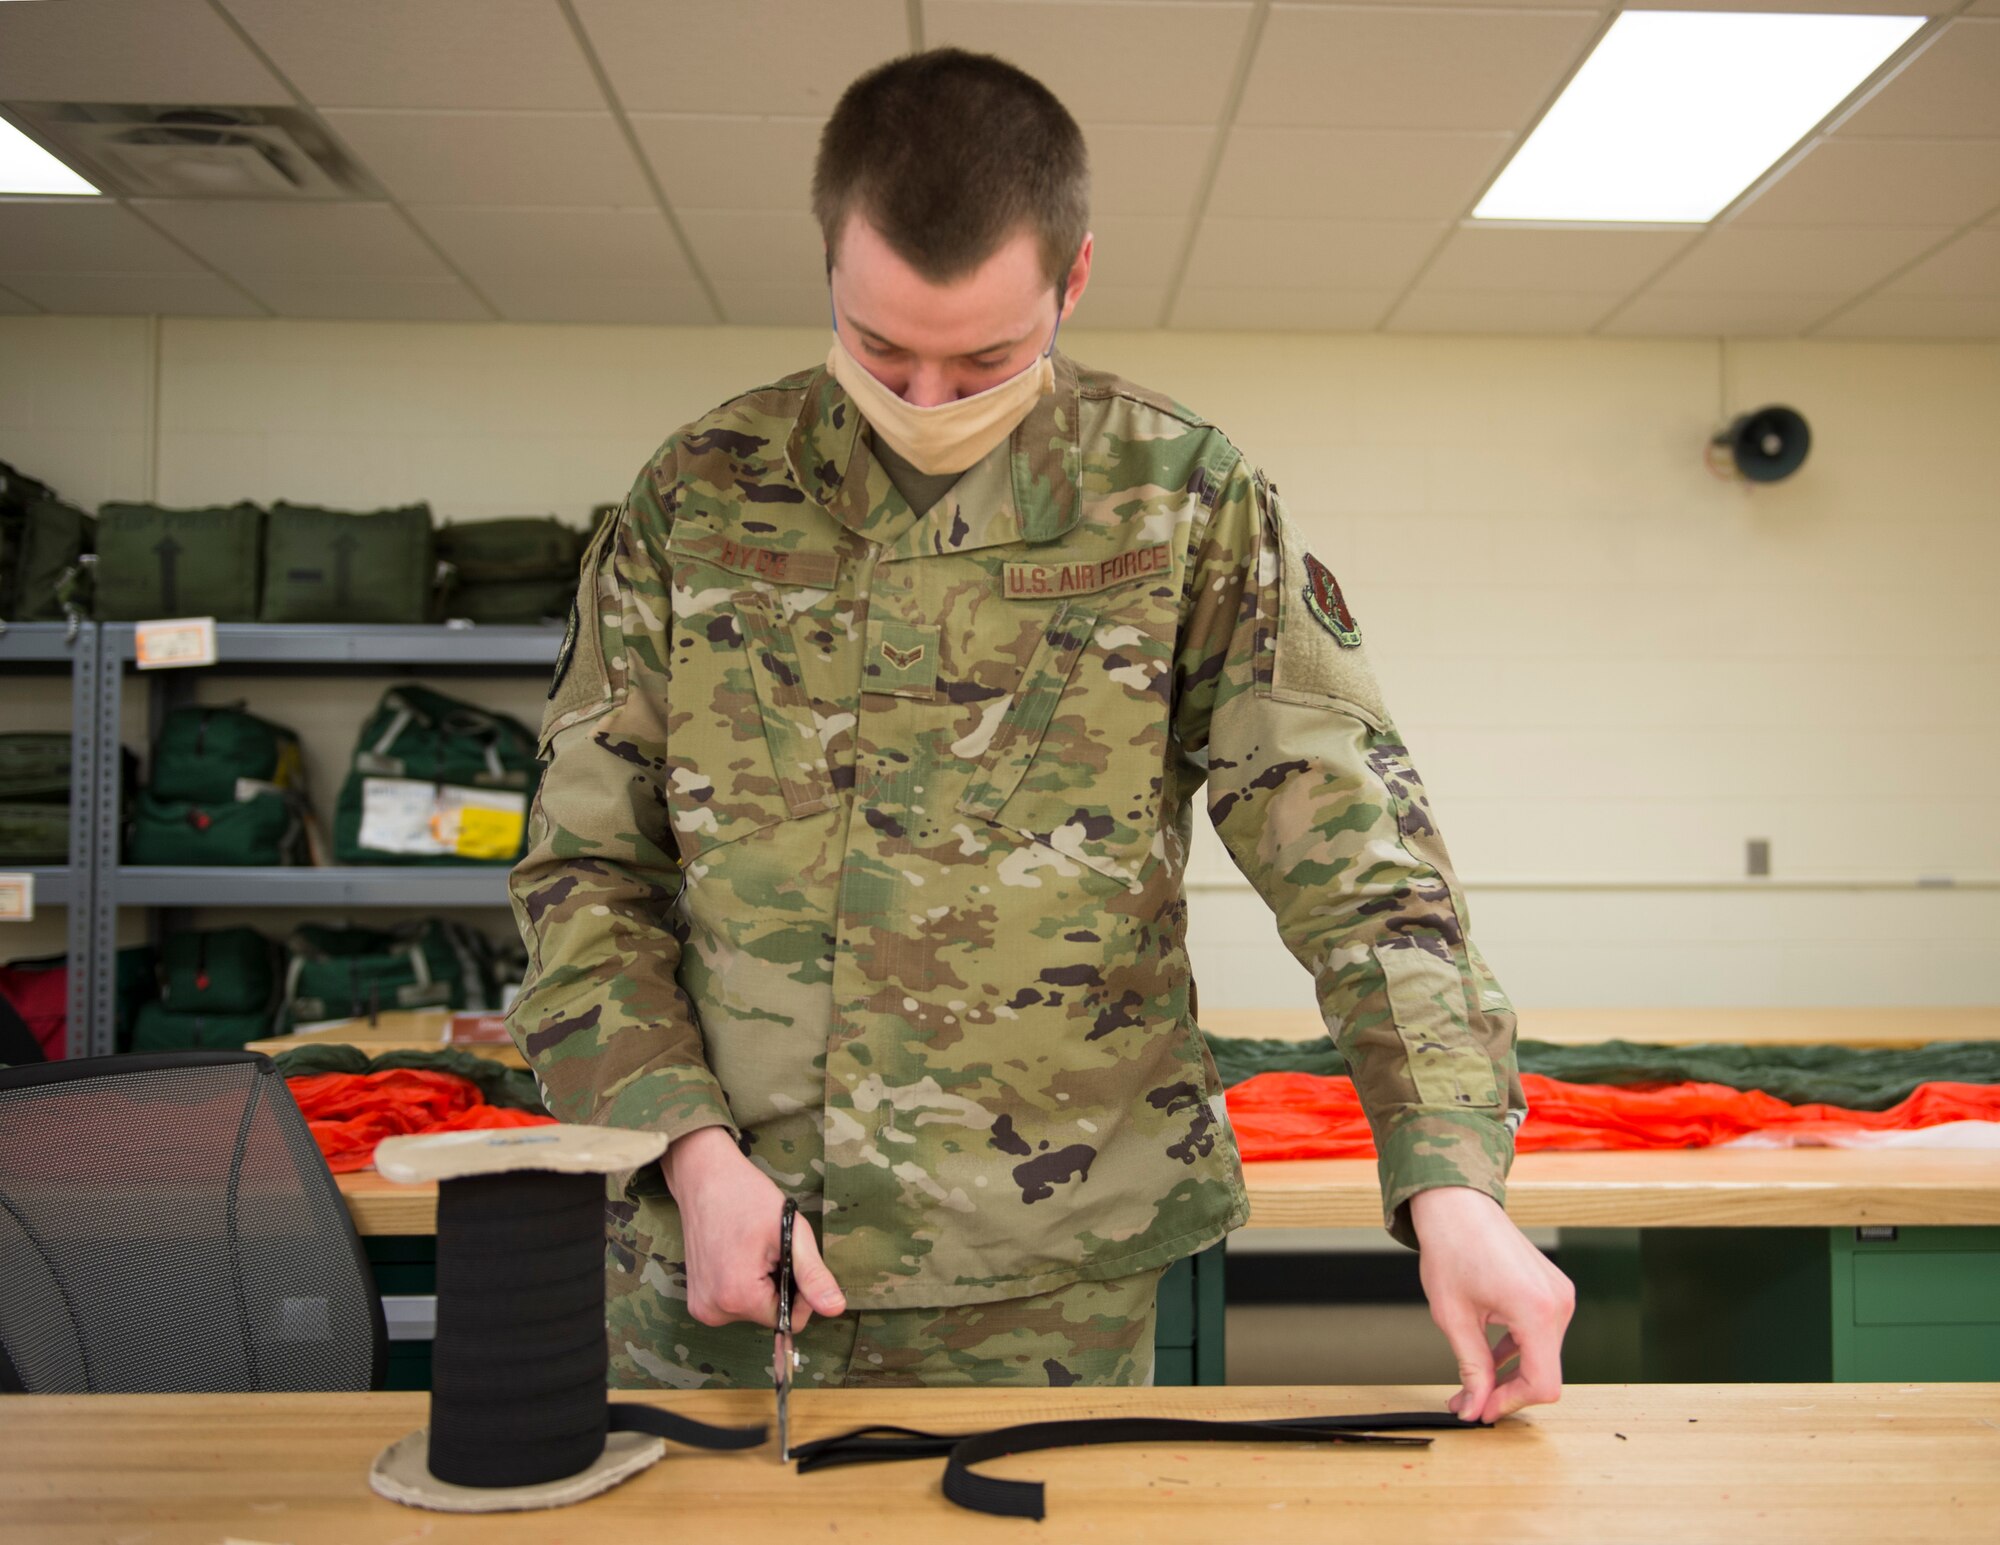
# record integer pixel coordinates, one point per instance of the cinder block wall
(1611, 667)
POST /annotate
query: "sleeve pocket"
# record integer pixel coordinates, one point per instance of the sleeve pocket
(1427, 998)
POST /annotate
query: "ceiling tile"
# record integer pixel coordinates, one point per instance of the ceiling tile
(1844, 181)
(375, 300)
(1968, 266)
(1852, 7)
(1354, 174)
(424, 53)
(298, 241)
(1137, 251)
(1309, 254)
(1578, 262)
(1777, 314)
(12, 305)
(1418, 69)
(1498, 311)
(1174, 62)
(78, 235)
(718, 161)
(166, 51)
(749, 304)
(1145, 169)
(1883, 315)
(525, 297)
(758, 246)
(1281, 311)
(722, 56)
(1772, 259)
(1983, 8)
(580, 247)
(1118, 306)
(197, 294)
(1952, 87)
(495, 158)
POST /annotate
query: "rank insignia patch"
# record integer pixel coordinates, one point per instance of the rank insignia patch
(1324, 600)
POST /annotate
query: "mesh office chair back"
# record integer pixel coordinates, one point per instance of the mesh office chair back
(167, 1225)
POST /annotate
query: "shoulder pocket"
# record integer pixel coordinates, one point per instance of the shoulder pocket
(1311, 647)
(590, 674)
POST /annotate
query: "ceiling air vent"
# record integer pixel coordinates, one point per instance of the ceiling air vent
(196, 152)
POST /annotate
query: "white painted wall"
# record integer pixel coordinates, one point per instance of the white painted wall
(1611, 667)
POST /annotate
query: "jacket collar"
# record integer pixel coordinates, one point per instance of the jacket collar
(1026, 489)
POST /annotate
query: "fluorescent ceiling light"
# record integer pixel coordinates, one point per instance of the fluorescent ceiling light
(27, 168)
(1676, 112)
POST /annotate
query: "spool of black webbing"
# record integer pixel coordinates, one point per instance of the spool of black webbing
(519, 1412)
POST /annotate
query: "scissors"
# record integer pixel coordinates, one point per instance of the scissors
(784, 1356)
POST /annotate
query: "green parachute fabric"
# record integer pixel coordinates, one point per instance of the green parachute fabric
(1871, 1078)
(510, 1088)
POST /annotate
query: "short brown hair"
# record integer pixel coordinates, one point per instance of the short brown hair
(949, 153)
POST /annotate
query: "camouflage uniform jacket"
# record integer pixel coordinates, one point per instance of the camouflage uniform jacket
(863, 835)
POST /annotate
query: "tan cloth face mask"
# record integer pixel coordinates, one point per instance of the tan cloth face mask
(953, 435)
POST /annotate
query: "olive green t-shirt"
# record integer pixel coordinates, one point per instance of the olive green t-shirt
(919, 489)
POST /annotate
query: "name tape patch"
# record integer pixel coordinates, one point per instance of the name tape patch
(819, 570)
(1039, 579)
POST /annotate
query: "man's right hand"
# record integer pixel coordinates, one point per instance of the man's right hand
(729, 1229)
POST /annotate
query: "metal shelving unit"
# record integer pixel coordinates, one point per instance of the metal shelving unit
(54, 649)
(295, 648)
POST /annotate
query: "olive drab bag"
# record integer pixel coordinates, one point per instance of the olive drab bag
(516, 570)
(159, 562)
(34, 799)
(218, 988)
(227, 788)
(338, 972)
(44, 547)
(436, 781)
(340, 566)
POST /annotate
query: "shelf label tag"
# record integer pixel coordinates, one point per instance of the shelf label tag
(174, 642)
(17, 898)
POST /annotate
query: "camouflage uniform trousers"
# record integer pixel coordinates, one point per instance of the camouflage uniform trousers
(1082, 1333)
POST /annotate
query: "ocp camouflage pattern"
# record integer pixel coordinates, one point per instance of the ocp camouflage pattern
(851, 845)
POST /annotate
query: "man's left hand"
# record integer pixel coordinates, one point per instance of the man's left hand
(1478, 1269)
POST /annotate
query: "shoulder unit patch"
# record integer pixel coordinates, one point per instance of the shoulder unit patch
(1324, 600)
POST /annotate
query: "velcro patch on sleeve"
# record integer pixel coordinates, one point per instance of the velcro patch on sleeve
(1035, 580)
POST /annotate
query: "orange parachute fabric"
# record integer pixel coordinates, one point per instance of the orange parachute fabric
(350, 1113)
(1309, 1116)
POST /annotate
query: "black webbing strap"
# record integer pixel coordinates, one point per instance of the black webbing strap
(628, 1416)
(1023, 1499)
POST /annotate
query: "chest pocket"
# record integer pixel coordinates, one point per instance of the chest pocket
(744, 749)
(1077, 759)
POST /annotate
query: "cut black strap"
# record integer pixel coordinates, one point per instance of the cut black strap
(1024, 1499)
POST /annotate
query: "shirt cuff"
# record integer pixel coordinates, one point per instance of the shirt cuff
(1418, 1149)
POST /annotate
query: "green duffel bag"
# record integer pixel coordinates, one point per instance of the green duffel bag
(34, 833)
(262, 830)
(207, 755)
(340, 566)
(221, 971)
(352, 973)
(158, 1028)
(436, 781)
(156, 562)
(508, 551)
(515, 603)
(34, 766)
(43, 544)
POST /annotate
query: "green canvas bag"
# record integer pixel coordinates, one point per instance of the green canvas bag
(519, 603)
(44, 548)
(221, 971)
(436, 781)
(337, 972)
(524, 547)
(265, 829)
(158, 1028)
(339, 566)
(157, 562)
(216, 754)
(34, 766)
(33, 832)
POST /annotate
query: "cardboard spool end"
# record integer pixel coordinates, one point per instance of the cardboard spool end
(567, 1149)
(402, 1473)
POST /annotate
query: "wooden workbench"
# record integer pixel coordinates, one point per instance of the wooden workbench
(1608, 1464)
(1683, 1188)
